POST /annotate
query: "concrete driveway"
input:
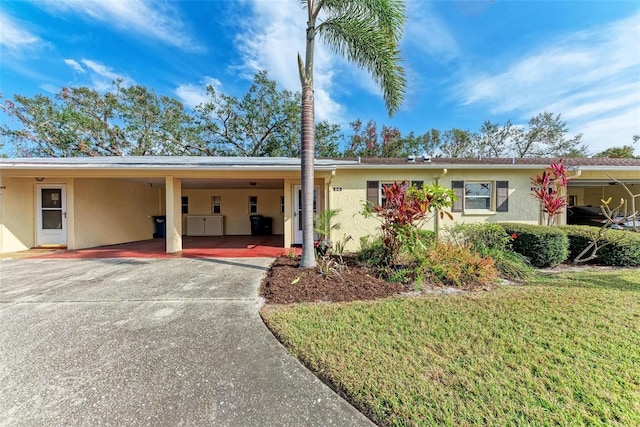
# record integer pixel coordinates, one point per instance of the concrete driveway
(149, 342)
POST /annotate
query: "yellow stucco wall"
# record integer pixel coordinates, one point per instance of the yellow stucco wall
(110, 211)
(17, 214)
(235, 207)
(347, 192)
(523, 207)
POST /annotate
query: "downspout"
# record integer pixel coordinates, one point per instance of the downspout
(436, 223)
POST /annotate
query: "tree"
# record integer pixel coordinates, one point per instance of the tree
(367, 33)
(458, 143)
(493, 140)
(255, 125)
(83, 122)
(624, 152)
(545, 136)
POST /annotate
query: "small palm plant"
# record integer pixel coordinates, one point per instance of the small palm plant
(323, 226)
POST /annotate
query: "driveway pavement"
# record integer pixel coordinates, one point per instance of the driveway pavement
(149, 342)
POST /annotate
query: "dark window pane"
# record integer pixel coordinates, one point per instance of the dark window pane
(52, 220)
(51, 198)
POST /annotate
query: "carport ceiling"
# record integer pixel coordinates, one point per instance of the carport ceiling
(195, 183)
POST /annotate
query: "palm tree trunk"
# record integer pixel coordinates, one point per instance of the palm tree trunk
(307, 142)
(307, 176)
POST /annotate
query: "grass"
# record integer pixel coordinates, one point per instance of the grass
(563, 349)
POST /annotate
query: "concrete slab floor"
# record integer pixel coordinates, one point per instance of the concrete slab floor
(149, 342)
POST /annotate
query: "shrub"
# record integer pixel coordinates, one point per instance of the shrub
(481, 235)
(372, 252)
(542, 245)
(511, 265)
(491, 240)
(456, 265)
(618, 247)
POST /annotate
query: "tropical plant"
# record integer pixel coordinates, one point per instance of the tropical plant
(367, 33)
(405, 209)
(550, 190)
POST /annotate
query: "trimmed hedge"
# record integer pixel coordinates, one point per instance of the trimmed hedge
(544, 246)
(623, 249)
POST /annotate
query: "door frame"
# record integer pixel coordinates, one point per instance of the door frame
(56, 236)
(297, 207)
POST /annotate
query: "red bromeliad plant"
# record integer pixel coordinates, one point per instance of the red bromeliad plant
(550, 189)
(403, 212)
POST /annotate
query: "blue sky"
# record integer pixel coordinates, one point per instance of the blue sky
(466, 61)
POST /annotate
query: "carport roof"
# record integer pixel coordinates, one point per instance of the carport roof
(164, 162)
(286, 163)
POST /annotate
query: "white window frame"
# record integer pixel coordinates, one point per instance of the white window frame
(381, 198)
(253, 207)
(490, 196)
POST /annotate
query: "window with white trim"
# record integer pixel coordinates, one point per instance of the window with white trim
(375, 190)
(477, 196)
(480, 196)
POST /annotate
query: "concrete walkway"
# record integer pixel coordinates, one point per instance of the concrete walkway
(149, 342)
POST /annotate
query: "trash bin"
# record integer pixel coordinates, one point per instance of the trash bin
(256, 224)
(266, 227)
(160, 223)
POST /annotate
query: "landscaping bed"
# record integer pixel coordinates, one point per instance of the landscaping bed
(287, 283)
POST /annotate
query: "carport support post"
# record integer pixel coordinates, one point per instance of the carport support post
(173, 194)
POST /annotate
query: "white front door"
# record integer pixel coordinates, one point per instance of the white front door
(51, 215)
(297, 211)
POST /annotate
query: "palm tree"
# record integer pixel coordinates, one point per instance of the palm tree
(367, 32)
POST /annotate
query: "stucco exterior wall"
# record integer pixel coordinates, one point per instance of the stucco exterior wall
(235, 207)
(17, 214)
(347, 192)
(523, 207)
(110, 211)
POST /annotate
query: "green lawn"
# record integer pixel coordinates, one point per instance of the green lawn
(563, 349)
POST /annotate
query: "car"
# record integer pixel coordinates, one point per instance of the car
(593, 215)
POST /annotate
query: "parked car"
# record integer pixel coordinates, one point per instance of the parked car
(592, 215)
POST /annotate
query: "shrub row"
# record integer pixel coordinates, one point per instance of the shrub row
(617, 247)
(543, 246)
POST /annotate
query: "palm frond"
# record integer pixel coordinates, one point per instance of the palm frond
(366, 43)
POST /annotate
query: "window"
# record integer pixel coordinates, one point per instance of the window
(375, 190)
(185, 204)
(481, 196)
(253, 204)
(216, 204)
(477, 196)
(282, 204)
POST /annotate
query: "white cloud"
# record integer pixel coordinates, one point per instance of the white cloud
(192, 95)
(155, 19)
(590, 77)
(15, 38)
(48, 87)
(272, 38)
(101, 76)
(75, 65)
(427, 33)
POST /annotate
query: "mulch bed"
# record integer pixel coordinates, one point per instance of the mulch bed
(287, 283)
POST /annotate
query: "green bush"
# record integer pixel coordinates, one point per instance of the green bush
(543, 246)
(491, 240)
(372, 252)
(455, 265)
(622, 248)
(483, 236)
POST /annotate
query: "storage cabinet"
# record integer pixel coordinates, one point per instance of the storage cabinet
(205, 225)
